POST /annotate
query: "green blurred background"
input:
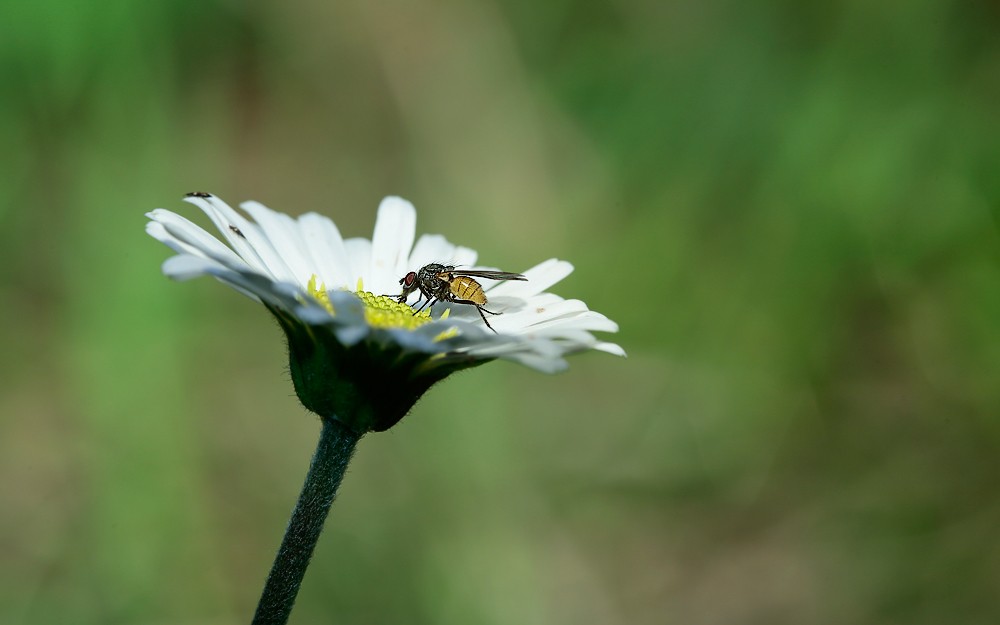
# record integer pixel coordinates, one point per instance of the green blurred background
(790, 208)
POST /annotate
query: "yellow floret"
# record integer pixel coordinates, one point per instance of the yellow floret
(382, 311)
(319, 293)
(447, 334)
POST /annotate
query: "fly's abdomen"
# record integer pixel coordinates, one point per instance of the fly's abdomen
(466, 288)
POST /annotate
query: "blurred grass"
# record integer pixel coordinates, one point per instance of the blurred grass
(791, 209)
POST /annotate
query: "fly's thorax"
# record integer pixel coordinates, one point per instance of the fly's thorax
(429, 272)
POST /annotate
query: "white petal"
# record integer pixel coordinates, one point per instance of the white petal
(569, 340)
(541, 346)
(326, 246)
(359, 250)
(414, 340)
(240, 289)
(464, 257)
(350, 335)
(395, 228)
(430, 248)
(589, 321)
(228, 230)
(245, 237)
(468, 335)
(253, 284)
(539, 363)
(217, 252)
(523, 321)
(285, 237)
(191, 234)
(503, 305)
(540, 277)
(610, 348)
(565, 342)
(313, 315)
(349, 325)
(156, 230)
(496, 350)
(508, 305)
(349, 310)
(185, 267)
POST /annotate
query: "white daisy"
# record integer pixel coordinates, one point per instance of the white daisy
(336, 300)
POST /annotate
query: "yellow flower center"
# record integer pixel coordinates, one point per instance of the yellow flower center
(382, 311)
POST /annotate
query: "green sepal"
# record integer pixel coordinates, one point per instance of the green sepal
(368, 386)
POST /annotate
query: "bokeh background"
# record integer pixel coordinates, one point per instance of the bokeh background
(790, 208)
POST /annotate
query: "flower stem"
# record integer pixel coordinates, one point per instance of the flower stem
(334, 451)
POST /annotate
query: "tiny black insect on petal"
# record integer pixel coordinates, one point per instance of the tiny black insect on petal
(197, 194)
(237, 231)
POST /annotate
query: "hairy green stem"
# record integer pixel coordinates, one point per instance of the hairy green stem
(336, 446)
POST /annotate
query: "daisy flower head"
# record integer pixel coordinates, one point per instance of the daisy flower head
(361, 352)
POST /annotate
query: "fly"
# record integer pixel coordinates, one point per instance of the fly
(446, 283)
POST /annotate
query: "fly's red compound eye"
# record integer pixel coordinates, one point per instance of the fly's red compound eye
(410, 277)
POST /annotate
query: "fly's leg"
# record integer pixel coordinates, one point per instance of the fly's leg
(480, 309)
(430, 300)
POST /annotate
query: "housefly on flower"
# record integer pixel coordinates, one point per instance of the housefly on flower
(447, 283)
